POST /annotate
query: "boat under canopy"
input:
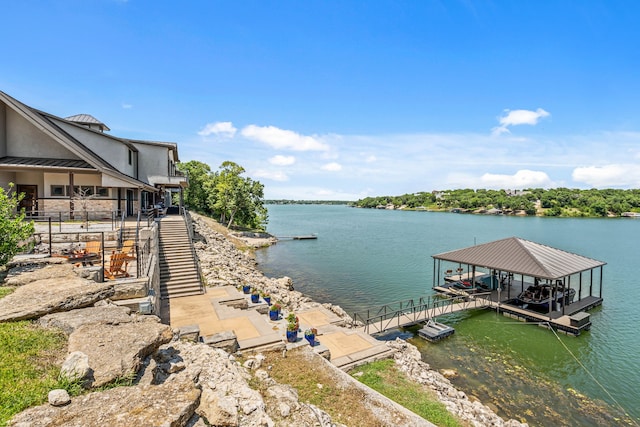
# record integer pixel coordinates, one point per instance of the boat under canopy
(510, 267)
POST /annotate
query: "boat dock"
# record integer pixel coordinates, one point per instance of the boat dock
(302, 237)
(420, 310)
(571, 320)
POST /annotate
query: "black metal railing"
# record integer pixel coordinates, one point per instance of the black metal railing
(416, 310)
(189, 223)
(88, 218)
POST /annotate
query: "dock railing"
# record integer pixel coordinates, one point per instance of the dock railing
(417, 310)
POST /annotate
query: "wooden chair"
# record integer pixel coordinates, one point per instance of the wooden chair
(117, 266)
(93, 247)
(129, 249)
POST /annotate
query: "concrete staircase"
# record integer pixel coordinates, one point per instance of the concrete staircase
(179, 275)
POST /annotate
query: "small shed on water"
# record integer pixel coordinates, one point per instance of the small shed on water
(513, 258)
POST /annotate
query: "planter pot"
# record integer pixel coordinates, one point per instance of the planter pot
(255, 299)
(274, 315)
(246, 289)
(267, 300)
(311, 338)
(292, 336)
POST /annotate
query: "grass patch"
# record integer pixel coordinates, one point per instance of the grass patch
(6, 290)
(384, 377)
(30, 360)
(318, 385)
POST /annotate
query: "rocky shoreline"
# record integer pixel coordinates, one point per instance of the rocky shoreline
(169, 382)
(243, 268)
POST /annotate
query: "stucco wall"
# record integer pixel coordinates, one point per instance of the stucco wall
(63, 179)
(26, 140)
(153, 160)
(111, 150)
(30, 178)
(6, 178)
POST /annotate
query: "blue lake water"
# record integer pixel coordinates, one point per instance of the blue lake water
(363, 258)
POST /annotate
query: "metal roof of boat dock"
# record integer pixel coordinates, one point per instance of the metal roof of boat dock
(521, 256)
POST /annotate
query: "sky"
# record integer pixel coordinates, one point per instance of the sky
(340, 100)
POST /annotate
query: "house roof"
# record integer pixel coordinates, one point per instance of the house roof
(46, 123)
(87, 119)
(41, 163)
(521, 256)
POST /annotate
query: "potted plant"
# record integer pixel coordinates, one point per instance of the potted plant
(310, 335)
(274, 311)
(246, 288)
(293, 319)
(255, 296)
(266, 297)
(292, 328)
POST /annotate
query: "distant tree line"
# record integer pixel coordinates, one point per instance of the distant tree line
(225, 194)
(534, 201)
(306, 202)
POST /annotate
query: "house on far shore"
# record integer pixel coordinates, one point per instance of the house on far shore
(67, 165)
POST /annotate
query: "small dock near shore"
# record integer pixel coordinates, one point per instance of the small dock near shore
(299, 237)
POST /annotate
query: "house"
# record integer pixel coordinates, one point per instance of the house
(64, 165)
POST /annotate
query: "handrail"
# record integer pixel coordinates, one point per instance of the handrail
(421, 310)
(188, 222)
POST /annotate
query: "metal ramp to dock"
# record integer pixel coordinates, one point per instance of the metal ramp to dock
(414, 311)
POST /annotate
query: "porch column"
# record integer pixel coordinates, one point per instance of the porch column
(72, 193)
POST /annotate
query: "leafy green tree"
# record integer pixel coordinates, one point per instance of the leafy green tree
(234, 197)
(199, 175)
(13, 228)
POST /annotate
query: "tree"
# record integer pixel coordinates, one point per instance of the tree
(237, 198)
(13, 228)
(200, 177)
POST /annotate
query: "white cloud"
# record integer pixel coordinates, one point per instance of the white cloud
(283, 139)
(223, 129)
(127, 106)
(614, 175)
(281, 160)
(518, 117)
(522, 179)
(370, 159)
(332, 167)
(272, 175)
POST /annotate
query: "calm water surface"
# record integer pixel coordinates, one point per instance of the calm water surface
(364, 258)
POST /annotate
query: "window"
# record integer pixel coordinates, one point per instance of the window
(57, 191)
(130, 157)
(68, 190)
(102, 191)
(87, 190)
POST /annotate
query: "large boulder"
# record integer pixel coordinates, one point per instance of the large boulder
(51, 295)
(116, 351)
(169, 404)
(69, 321)
(22, 273)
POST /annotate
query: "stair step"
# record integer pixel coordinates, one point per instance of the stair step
(177, 279)
(181, 285)
(181, 294)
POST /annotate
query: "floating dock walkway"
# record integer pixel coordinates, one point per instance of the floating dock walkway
(302, 237)
(421, 310)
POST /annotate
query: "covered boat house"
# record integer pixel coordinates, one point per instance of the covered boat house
(525, 280)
